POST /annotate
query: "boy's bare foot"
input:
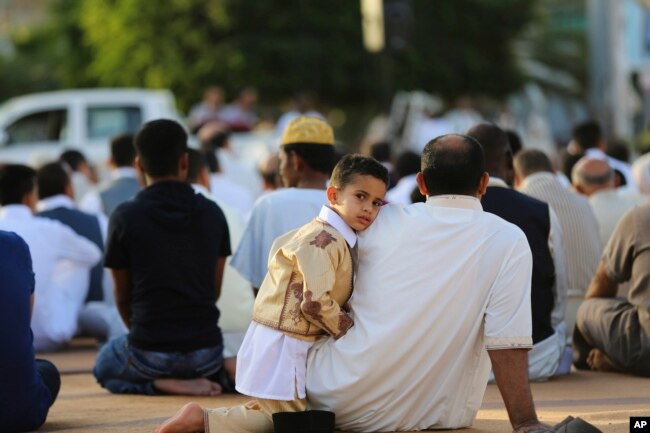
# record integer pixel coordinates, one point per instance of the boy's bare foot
(598, 361)
(188, 420)
(187, 386)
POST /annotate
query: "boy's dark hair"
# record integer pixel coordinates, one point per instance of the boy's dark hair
(196, 162)
(353, 165)
(407, 163)
(73, 158)
(123, 150)
(453, 167)
(587, 135)
(160, 145)
(52, 180)
(319, 157)
(16, 181)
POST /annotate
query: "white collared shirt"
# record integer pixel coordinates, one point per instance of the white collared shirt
(57, 253)
(439, 282)
(334, 219)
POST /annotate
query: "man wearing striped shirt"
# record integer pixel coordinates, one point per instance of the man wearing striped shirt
(580, 239)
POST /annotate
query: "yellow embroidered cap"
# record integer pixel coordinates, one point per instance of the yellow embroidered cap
(306, 129)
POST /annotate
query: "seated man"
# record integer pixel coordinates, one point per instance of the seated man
(438, 284)
(166, 250)
(613, 333)
(29, 387)
(58, 256)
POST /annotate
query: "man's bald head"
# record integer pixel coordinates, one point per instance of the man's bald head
(452, 164)
(590, 175)
(496, 145)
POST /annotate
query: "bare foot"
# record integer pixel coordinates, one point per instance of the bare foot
(188, 420)
(187, 386)
(598, 361)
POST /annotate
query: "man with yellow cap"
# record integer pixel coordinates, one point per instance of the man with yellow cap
(306, 160)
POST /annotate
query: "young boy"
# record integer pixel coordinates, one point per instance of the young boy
(310, 278)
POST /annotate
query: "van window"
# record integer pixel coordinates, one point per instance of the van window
(42, 126)
(105, 122)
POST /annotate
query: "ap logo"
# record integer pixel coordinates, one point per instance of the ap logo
(639, 424)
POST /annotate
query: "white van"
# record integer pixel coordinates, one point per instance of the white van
(36, 128)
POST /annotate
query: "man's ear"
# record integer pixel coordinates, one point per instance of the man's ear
(332, 194)
(296, 161)
(419, 178)
(138, 164)
(483, 184)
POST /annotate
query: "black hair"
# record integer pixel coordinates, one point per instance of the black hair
(514, 140)
(52, 179)
(160, 145)
(16, 181)
(217, 141)
(123, 150)
(353, 165)
(195, 163)
(495, 144)
(73, 158)
(211, 160)
(407, 163)
(531, 161)
(319, 157)
(587, 135)
(453, 164)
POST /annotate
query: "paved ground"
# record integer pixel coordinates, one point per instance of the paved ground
(605, 400)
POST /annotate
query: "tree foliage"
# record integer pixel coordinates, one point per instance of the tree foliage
(454, 47)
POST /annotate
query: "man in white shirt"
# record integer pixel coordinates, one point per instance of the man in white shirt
(98, 317)
(306, 159)
(438, 284)
(58, 254)
(594, 178)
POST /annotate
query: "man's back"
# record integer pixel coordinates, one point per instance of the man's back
(85, 225)
(170, 239)
(580, 238)
(609, 206)
(440, 281)
(274, 214)
(116, 192)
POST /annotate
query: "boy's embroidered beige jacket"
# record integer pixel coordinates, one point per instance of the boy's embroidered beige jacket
(309, 279)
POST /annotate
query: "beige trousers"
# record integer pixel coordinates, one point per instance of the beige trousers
(253, 417)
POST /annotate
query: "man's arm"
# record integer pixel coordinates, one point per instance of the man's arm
(123, 286)
(218, 278)
(510, 368)
(602, 286)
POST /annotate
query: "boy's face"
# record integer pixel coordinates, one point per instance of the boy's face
(359, 202)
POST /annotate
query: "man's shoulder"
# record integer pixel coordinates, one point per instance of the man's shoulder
(498, 196)
(291, 195)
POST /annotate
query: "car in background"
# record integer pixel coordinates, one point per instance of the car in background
(36, 128)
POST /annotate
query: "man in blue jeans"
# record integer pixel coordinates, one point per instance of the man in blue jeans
(166, 250)
(29, 386)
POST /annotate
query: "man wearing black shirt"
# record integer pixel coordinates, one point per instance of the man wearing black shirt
(166, 250)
